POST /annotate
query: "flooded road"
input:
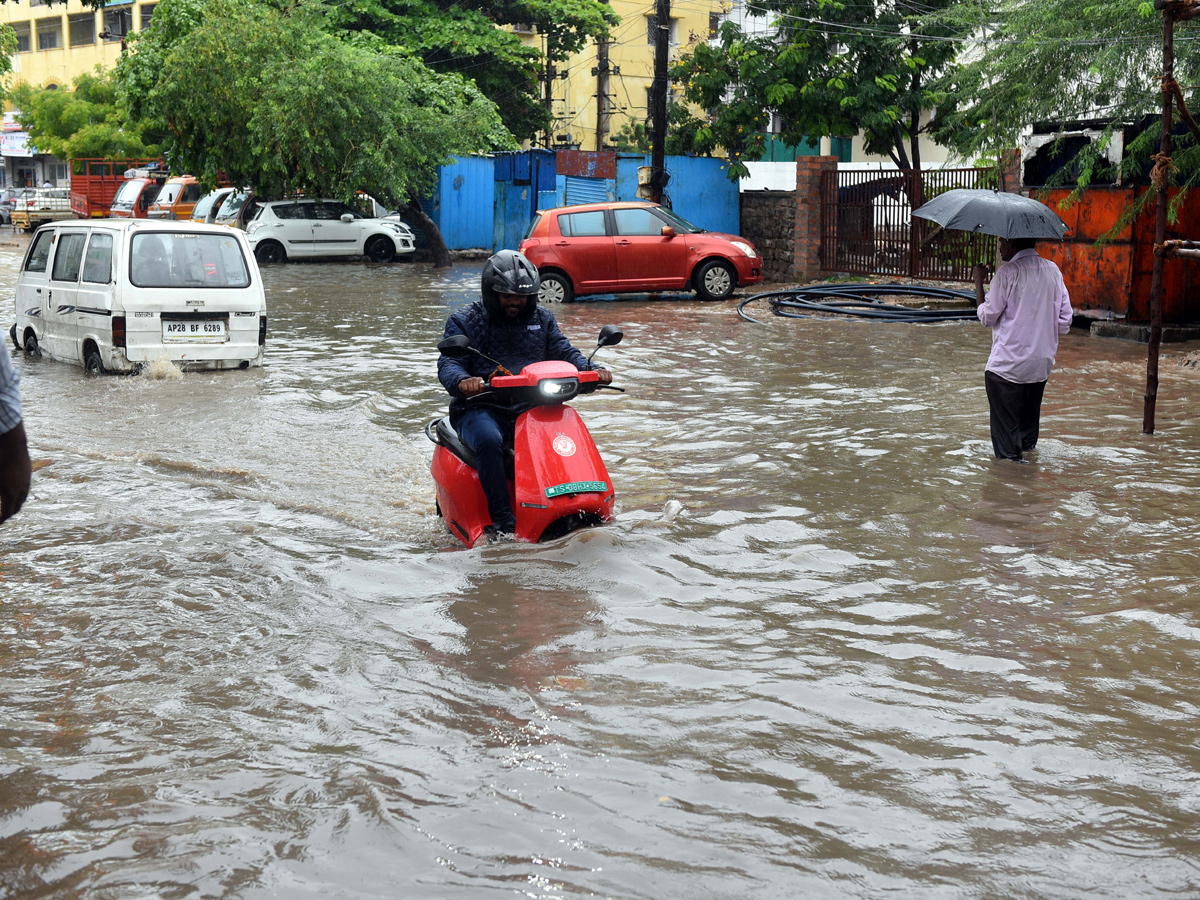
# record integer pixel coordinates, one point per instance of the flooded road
(828, 648)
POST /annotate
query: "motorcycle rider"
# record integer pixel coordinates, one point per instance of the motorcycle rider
(508, 325)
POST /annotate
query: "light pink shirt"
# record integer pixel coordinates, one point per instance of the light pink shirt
(1027, 308)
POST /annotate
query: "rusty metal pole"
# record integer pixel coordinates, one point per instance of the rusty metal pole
(1162, 183)
(661, 84)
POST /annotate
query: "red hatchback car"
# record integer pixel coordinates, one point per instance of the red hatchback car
(614, 248)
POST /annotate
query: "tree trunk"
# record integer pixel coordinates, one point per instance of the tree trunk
(914, 128)
(437, 246)
(899, 154)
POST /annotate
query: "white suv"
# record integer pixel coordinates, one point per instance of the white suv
(291, 229)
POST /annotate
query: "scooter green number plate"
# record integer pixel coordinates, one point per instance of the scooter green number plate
(575, 487)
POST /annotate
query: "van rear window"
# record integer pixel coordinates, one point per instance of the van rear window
(187, 260)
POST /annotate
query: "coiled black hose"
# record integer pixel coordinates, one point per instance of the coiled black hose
(860, 300)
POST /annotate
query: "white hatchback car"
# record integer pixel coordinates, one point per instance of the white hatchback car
(280, 230)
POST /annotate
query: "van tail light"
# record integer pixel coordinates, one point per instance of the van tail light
(262, 330)
(118, 331)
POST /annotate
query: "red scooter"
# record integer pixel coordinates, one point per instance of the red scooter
(557, 482)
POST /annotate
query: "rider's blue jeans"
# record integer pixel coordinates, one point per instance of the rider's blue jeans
(485, 431)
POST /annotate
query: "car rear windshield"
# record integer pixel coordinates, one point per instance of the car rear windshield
(187, 260)
(532, 225)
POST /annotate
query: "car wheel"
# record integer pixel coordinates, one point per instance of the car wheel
(715, 280)
(269, 252)
(31, 344)
(380, 249)
(12, 333)
(92, 363)
(556, 288)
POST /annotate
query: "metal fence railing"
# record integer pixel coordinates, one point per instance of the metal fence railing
(867, 225)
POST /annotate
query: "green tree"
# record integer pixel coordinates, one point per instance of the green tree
(460, 36)
(84, 122)
(1057, 62)
(633, 137)
(8, 46)
(270, 98)
(825, 67)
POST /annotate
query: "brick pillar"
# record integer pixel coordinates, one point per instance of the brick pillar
(808, 215)
(1010, 171)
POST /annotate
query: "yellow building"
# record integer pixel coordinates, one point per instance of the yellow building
(54, 45)
(607, 84)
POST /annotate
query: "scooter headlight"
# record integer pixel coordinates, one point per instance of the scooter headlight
(559, 388)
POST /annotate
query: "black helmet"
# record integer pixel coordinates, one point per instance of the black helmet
(509, 272)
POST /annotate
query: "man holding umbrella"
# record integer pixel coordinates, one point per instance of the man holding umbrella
(1027, 307)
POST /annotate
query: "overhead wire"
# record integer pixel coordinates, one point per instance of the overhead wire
(870, 30)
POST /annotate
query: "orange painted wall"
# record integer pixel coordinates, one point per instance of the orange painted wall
(1116, 275)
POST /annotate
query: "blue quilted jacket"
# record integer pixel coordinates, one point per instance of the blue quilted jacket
(533, 337)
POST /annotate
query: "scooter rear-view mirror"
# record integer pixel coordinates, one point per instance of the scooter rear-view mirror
(609, 335)
(455, 346)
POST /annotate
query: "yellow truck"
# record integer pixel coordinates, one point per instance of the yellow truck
(37, 206)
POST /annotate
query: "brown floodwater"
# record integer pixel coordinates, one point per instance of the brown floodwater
(827, 648)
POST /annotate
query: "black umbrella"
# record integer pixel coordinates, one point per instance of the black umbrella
(993, 212)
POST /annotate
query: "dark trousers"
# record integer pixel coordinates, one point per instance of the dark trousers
(1016, 414)
(485, 431)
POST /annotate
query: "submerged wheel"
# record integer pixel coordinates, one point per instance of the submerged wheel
(380, 249)
(269, 252)
(31, 344)
(92, 363)
(555, 288)
(715, 280)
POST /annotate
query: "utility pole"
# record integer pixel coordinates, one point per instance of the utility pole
(662, 21)
(1159, 179)
(549, 101)
(602, 72)
(602, 106)
(1173, 11)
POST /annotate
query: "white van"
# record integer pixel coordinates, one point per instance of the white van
(113, 294)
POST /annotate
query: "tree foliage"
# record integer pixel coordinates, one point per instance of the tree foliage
(8, 46)
(460, 36)
(271, 98)
(83, 122)
(826, 67)
(1060, 62)
(636, 137)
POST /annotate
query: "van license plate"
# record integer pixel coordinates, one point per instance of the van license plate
(194, 331)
